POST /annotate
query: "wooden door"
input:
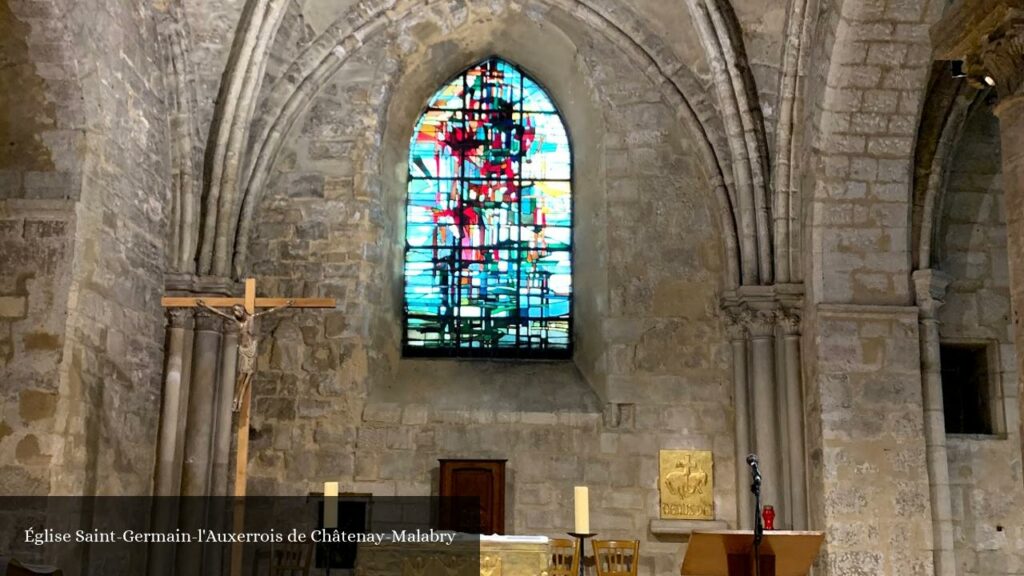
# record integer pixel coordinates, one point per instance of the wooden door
(473, 496)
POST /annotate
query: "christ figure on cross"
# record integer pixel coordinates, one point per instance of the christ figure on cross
(248, 342)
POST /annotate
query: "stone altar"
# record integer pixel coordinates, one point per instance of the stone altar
(466, 556)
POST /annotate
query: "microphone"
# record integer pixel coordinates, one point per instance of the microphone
(753, 462)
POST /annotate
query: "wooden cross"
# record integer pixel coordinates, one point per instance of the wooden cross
(250, 303)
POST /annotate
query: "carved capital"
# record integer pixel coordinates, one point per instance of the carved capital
(998, 59)
(762, 323)
(789, 320)
(180, 317)
(208, 321)
(929, 290)
(736, 320)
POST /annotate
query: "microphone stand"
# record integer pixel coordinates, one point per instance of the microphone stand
(755, 488)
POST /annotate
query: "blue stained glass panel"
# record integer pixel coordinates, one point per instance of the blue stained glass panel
(488, 268)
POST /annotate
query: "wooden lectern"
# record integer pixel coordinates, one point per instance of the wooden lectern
(731, 553)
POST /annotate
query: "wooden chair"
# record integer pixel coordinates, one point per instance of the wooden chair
(12, 567)
(564, 557)
(616, 557)
(292, 559)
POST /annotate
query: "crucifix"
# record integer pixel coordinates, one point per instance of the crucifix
(244, 313)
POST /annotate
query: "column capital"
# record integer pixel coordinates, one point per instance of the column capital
(180, 317)
(762, 322)
(1000, 57)
(743, 319)
(988, 35)
(929, 289)
(208, 321)
(737, 318)
(789, 320)
(757, 310)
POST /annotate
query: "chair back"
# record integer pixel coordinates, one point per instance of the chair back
(564, 557)
(292, 559)
(616, 557)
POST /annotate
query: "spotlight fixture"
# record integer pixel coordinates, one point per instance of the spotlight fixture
(990, 81)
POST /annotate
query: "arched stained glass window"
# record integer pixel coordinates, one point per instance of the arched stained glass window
(488, 257)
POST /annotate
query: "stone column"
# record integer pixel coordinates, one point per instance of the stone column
(223, 408)
(930, 287)
(225, 393)
(168, 466)
(796, 457)
(186, 385)
(202, 395)
(766, 410)
(180, 321)
(195, 478)
(736, 327)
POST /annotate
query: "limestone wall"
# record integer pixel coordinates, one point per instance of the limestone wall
(39, 181)
(868, 481)
(985, 472)
(82, 247)
(112, 360)
(335, 401)
(35, 244)
(84, 197)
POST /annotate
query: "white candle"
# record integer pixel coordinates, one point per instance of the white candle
(582, 498)
(330, 504)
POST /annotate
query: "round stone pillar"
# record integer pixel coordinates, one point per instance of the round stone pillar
(737, 330)
(766, 411)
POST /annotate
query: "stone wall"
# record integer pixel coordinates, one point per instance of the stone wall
(869, 483)
(112, 359)
(40, 167)
(82, 276)
(35, 244)
(868, 67)
(84, 195)
(984, 472)
(865, 103)
(335, 400)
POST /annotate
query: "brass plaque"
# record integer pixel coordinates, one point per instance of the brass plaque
(686, 484)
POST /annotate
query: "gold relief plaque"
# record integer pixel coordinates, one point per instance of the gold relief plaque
(686, 484)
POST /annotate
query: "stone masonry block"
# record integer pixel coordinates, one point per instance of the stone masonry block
(40, 229)
(13, 306)
(11, 228)
(36, 405)
(384, 413)
(539, 418)
(414, 415)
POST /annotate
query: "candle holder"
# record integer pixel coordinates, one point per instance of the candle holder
(582, 550)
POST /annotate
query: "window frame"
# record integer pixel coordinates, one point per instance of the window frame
(517, 352)
(995, 408)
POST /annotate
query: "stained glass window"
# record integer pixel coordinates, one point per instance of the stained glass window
(488, 257)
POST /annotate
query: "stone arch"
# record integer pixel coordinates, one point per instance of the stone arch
(864, 133)
(673, 298)
(401, 82)
(326, 55)
(949, 104)
(555, 63)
